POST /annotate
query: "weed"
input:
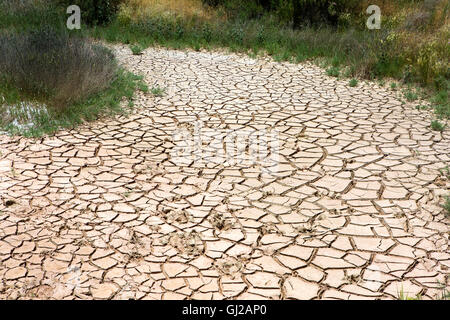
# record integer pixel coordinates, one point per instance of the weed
(353, 83)
(437, 126)
(158, 91)
(333, 72)
(403, 296)
(441, 103)
(446, 205)
(410, 95)
(136, 49)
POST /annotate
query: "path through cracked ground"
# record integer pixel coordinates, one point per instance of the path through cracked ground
(347, 207)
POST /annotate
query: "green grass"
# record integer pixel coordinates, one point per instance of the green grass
(158, 91)
(437, 126)
(136, 49)
(333, 72)
(394, 86)
(411, 95)
(254, 36)
(403, 296)
(421, 107)
(446, 205)
(353, 83)
(441, 103)
(31, 17)
(105, 103)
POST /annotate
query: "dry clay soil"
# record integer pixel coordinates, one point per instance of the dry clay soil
(345, 203)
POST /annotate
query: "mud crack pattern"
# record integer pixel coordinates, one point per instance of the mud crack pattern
(104, 211)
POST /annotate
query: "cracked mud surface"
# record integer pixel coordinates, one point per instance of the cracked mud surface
(350, 210)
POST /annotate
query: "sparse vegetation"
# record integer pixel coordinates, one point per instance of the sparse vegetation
(447, 207)
(136, 49)
(353, 83)
(35, 122)
(421, 107)
(437, 126)
(411, 95)
(445, 172)
(333, 72)
(158, 91)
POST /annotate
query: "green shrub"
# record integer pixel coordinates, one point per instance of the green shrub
(318, 11)
(157, 91)
(299, 11)
(213, 3)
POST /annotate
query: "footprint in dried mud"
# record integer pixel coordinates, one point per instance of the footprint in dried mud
(268, 228)
(188, 243)
(220, 222)
(178, 216)
(229, 266)
(351, 278)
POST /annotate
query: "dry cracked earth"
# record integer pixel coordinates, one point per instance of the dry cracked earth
(341, 198)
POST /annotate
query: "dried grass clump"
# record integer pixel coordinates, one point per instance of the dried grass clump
(53, 67)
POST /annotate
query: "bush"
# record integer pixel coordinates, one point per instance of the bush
(53, 67)
(300, 12)
(95, 12)
(213, 3)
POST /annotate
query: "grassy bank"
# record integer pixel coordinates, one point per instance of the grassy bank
(35, 118)
(51, 78)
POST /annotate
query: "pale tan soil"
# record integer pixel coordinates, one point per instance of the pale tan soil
(351, 210)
